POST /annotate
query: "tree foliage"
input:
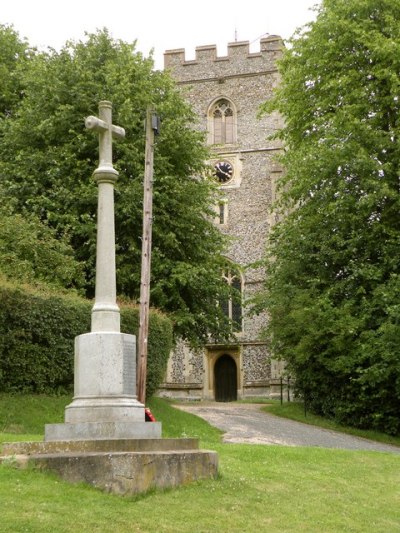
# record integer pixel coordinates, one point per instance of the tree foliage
(333, 291)
(31, 253)
(47, 159)
(14, 56)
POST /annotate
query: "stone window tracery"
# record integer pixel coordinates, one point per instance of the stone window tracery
(222, 124)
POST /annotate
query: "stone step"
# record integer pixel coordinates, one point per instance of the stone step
(90, 446)
(124, 472)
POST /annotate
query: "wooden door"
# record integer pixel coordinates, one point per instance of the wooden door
(225, 379)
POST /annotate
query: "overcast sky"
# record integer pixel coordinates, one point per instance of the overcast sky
(157, 24)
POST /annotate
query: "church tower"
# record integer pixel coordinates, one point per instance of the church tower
(226, 92)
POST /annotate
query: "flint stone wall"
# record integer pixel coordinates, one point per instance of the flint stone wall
(247, 80)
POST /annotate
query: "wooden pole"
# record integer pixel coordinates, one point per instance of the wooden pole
(146, 257)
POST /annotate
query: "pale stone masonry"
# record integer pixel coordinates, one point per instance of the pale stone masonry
(236, 86)
(104, 405)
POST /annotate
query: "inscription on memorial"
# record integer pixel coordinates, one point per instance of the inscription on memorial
(129, 364)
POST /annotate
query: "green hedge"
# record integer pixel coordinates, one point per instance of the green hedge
(37, 331)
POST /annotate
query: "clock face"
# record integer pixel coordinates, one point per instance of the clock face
(223, 170)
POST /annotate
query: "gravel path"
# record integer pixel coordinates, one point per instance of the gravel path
(247, 424)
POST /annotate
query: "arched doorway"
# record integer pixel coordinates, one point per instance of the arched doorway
(225, 379)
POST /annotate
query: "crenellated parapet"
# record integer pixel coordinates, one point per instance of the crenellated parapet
(239, 60)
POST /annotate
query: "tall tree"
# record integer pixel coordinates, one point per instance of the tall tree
(333, 291)
(14, 55)
(47, 158)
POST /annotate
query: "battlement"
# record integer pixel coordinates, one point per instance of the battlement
(238, 53)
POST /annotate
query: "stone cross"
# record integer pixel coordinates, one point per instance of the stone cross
(105, 312)
(105, 404)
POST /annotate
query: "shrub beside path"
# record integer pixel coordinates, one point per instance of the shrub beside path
(248, 424)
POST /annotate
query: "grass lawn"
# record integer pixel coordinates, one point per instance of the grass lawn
(260, 488)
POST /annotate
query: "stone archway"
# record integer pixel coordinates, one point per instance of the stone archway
(225, 379)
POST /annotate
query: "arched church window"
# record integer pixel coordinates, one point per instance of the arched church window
(232, 306)
(222, 122)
